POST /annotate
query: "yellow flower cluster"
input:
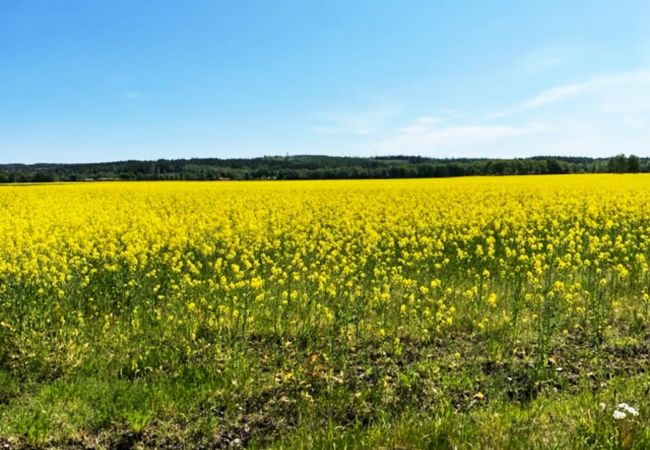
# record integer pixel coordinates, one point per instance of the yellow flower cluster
(394, 257)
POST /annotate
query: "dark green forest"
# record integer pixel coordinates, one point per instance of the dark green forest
(306, 167)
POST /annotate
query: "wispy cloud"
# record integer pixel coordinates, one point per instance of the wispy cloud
(637, 122)
(420, 124)
(430, 137)
(633, 86)
(357, 122)
(599, 116)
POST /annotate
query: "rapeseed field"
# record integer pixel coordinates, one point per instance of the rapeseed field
(499, 312)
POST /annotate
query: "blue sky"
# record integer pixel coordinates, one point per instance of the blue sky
(95, 80)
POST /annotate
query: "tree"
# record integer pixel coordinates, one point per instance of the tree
(633, 164)
(617, 164)
(553, 166)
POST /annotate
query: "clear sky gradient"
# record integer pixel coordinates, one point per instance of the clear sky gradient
(96, 80)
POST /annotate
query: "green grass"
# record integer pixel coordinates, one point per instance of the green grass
(451, 393)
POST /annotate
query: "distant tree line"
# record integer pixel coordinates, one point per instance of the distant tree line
(304, 167)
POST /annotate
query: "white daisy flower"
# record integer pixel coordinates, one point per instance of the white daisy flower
(628, 408)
